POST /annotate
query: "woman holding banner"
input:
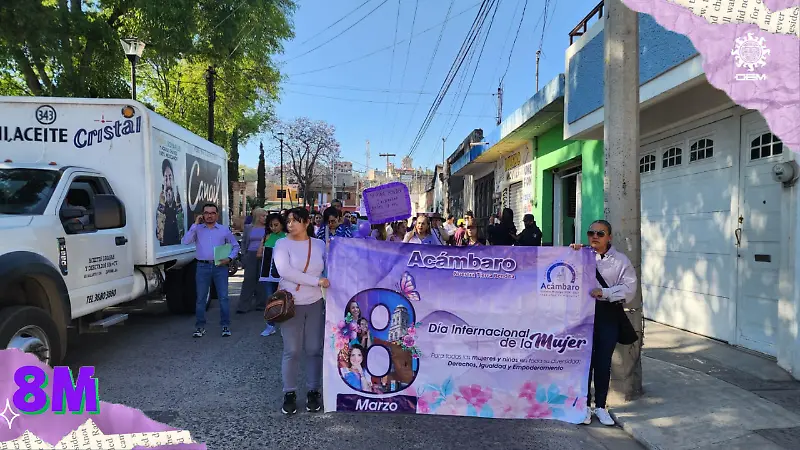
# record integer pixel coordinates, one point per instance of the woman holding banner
(616, 275)
(251, 245)
(300, 260)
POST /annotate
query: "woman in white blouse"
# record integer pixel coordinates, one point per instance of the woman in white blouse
(300, 261)
(619, 275)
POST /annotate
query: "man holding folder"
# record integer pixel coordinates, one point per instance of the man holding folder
(216, 246)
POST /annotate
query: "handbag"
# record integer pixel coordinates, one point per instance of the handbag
(280, 305)
(627, 334)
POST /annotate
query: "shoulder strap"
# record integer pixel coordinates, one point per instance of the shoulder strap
(600, 278)
(308, 258)
(308, 261)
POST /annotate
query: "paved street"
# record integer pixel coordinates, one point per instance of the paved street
(227, 393)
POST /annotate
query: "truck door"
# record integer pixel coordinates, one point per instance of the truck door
(100, 262)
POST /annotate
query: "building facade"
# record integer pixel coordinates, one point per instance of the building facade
(719, 234)
(526, 165)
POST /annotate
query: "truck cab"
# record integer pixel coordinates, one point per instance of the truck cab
(95, 197)
(58, 219)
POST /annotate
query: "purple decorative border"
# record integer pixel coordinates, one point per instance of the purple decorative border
(380, 220)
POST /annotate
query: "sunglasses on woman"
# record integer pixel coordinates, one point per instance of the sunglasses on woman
(598, 233)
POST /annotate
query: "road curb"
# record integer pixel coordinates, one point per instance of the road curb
(633, 431)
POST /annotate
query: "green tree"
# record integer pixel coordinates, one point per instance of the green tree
(261, 184)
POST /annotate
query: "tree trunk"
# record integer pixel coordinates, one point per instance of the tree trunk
(233, 168)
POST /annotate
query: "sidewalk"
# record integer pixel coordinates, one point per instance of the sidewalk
(703, 394)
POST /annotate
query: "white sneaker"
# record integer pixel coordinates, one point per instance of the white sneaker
(588, 419)
(604, 417)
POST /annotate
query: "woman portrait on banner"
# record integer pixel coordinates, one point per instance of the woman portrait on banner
(363, 335)
(300, 260)
(277, 230)
(616, 285)
(252, 237)
(422, 233)
(356, 375)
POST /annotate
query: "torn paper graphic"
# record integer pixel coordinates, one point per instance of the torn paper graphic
(89, 436)
(785, 21)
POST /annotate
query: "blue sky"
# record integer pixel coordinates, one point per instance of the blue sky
(382, 98)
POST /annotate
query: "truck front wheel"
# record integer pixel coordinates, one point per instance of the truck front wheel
(31, 330)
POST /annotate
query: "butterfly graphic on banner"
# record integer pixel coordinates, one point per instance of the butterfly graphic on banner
(408, 287)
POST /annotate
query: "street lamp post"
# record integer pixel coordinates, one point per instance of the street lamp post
(133, 50)
(280, 138)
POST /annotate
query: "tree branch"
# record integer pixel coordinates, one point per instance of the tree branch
(24, 66)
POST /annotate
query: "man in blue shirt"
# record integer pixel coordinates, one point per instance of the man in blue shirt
(207, 234)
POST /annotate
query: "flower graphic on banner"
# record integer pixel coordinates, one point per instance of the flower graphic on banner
(530, 402)
(408, 343)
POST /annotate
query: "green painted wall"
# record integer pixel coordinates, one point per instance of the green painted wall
(553, 152)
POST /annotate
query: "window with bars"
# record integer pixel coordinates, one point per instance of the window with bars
(702, 149)
(765, 146)
(671, 157)
(647, 163)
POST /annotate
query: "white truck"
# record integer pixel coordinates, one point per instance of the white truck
(95, 196)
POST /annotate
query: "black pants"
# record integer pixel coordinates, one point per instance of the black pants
(606, 332)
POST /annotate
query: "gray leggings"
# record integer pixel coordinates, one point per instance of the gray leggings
(303, 333)
(251, 285)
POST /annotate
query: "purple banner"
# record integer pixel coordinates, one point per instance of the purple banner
(495, 332)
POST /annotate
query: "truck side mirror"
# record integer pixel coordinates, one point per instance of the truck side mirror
(70, 212)
(109, 212)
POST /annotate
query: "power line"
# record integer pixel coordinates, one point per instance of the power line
(391, 72)
(348, 99)
(454, 68)
(430, 65)
(334, 23)
(393, 91)
(466, 47)
(514, 43)
(384, 48)
(340, 33)
(486, 39)
(405, 65)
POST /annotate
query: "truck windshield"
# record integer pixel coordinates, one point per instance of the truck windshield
(26, 191)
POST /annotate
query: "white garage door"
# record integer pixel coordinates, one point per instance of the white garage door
(688, 256)
(516, 205)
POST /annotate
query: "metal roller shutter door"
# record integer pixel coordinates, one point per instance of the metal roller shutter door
(515, 203)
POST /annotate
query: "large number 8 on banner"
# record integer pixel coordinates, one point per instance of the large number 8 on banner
(377, 352)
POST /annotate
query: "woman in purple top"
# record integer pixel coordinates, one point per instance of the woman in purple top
(251, 241)
(618, 274)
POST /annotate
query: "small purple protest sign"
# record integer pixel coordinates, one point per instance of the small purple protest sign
(387, 203)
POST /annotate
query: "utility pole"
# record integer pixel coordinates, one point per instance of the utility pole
(212, 97)
(621, 178)
(387, 155)
(499, 104)
(333, 180)
(445, 184)
(368, 155)
(538, 53)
